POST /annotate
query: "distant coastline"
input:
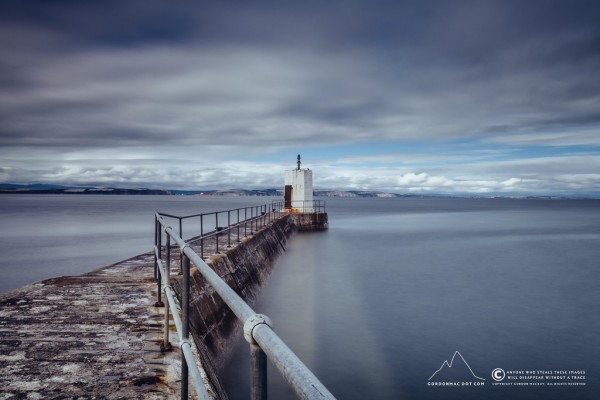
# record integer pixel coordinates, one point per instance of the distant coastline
(140, 191)
(8, 188)
(49, 189)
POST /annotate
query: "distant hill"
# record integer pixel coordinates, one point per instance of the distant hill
(38, 188)
(358, 193)
(58, 189)
(41, 188)
(33, 186)
(316, 193)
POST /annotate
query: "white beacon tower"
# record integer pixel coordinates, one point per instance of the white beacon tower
(298, 194)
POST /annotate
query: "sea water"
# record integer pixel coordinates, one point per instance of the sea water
(376, 304)
(45, 236)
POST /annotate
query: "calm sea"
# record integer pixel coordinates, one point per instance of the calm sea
(45, 236)
(377, 303)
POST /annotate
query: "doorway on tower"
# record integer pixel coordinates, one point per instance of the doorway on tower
(288, 197)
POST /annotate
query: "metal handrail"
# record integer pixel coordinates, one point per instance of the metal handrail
(255, 216)
(264, 342)
(301, 206)
(188, 364)
(254, 211)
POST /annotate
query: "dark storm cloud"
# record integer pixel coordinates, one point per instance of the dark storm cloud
(233, 77)
(109, 22)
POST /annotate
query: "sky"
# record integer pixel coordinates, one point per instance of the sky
(455, 97)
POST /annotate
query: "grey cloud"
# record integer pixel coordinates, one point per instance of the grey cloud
(227, 79)
(428, 79)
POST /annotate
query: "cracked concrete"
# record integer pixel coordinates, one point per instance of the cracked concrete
(91, 336)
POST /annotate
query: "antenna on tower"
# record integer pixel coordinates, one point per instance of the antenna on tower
(298, 161)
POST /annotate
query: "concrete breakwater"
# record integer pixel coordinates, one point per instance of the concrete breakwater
(245, 268)
(98, 335)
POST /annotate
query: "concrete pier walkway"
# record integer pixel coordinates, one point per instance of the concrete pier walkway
(94, 336)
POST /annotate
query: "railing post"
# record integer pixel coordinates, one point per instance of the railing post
(217, 230)
(165, 346)
(185, 334)
(258, 373)
(228, 228)
(181, 236)
(202, 236)
(159, 302)
(156, 230)
(238, 224)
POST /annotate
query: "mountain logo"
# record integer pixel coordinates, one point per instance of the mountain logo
(452, 369)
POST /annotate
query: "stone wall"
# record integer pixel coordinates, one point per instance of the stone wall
(316, 221)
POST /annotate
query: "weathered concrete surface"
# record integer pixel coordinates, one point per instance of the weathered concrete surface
(315, 221)
(93, 336)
